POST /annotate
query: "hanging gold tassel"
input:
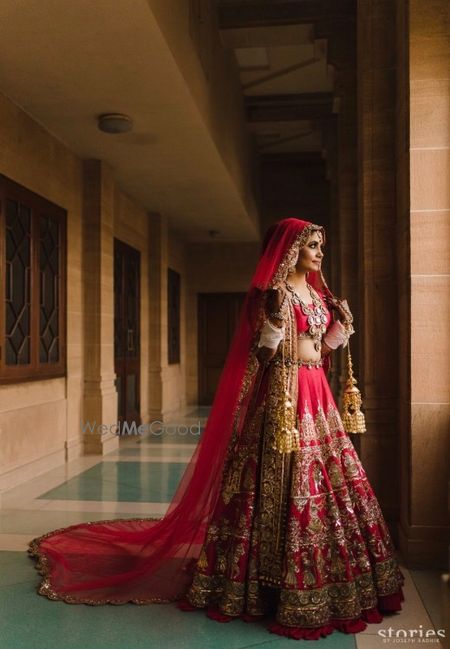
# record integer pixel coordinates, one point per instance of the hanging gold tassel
(289, 439)
(287, 436)
(352, 417)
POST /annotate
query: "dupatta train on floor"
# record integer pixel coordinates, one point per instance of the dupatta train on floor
(144, 560)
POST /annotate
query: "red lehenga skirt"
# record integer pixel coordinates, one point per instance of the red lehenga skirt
(300, 537)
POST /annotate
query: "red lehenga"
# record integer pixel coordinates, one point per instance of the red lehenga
(297, 536)
(251, 531)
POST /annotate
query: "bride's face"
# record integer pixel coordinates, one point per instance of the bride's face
(311, 255)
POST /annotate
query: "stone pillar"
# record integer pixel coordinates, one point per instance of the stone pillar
(348, 226)
(100, 395)
(378, 339)
(342, 144)
(425, 405)
(158, 362)
(332, 251)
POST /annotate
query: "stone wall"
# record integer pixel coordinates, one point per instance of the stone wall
(425, 406)
(378, 364)
(40, 421)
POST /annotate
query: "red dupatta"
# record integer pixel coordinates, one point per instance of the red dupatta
(144, 560)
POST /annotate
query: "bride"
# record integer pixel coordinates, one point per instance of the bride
(274, 516)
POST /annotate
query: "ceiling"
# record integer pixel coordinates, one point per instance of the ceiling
(65, 63)
(276, 64)
(288, 53)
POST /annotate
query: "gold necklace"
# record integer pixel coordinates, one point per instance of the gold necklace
(316, 315)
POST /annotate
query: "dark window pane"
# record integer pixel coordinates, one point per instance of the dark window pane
(49, 283)
(118, 291)
(17, 290)
(173, 285)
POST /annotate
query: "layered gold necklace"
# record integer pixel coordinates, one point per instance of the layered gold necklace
(316, 315)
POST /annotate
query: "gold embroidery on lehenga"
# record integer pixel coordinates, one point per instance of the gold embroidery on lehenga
(315, 524)
(221, 563)
(334, 419)
(320, 423)
(225, 529)
(255, 601)
(321, 566)
(308, 432)
(309, 578)
(317, 477)
(236, 553)
(338, 565)
(290, 578)
(335, 474)
(204, 589)
(302, 604)
(202, 562)
(350, 467)
(212, 534)
(302, 534)
(341, 599)
(273, 503)
(233, 596)
(231, 483)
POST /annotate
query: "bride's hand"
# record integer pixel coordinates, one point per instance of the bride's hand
(265, 354)
(325, 350)
(342, 309)
(274, 302)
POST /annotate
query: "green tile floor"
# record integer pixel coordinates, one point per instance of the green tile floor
(29, 621)
(122, 482)
(120, 485)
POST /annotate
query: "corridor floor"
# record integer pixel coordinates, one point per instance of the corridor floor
(139, 479)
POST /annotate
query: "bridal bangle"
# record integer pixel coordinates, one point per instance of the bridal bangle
(337, 335)
(270, 335)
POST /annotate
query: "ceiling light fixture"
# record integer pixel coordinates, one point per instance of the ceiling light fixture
(115, 123)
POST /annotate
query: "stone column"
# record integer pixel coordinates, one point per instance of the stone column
(100, 395)
(158, 262)
(425, 296)
(378, 364)
(332, 251)
(348, 226)
(341, 137)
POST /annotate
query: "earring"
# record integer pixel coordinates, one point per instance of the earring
(291, 270)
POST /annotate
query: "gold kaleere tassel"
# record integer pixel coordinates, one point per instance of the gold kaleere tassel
(287, 437)
(352, 417)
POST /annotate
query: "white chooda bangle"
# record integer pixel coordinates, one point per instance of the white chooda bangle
(337, 335)
(270, 335)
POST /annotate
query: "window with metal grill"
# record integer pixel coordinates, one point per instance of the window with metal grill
(32, 290)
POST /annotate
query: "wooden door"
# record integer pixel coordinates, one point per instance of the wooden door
(218, 315)
(127, 264)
